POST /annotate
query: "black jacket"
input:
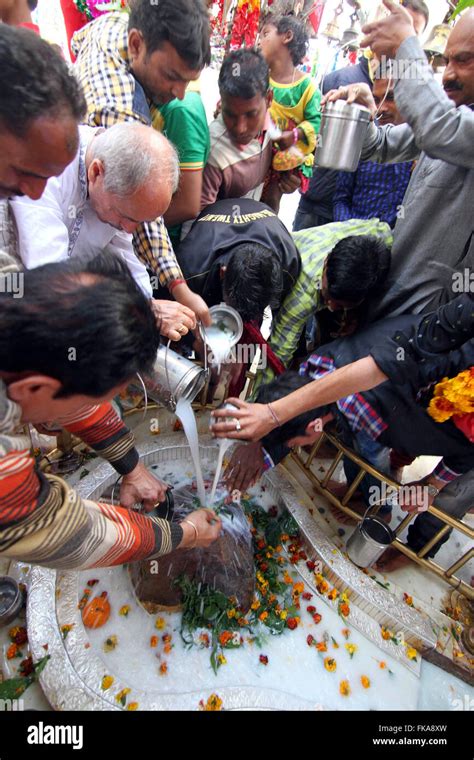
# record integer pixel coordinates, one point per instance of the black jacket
(222, 226)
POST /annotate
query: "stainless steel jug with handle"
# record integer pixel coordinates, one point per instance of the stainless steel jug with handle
(341, 136)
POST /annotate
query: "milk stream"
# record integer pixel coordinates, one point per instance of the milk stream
(185, 412)
(224, 444)
(219, 342)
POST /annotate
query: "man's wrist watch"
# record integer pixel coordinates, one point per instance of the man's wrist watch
(432, 490)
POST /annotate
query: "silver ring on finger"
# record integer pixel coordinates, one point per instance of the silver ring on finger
(238, 426)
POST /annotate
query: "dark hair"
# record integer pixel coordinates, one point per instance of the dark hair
(182, 23)
(244, 73)
(253, 280)
(276, 389)
(32, 4)
(356, 266)
(289, 23)
(87, 325)
(36, 81)
(417, 6)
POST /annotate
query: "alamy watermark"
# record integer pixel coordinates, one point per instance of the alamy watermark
(12, 282)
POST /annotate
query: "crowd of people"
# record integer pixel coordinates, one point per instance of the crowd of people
(125, 216)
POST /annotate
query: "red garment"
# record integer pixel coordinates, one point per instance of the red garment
(73, 20)
(34, 28)
(252, 335)
(465, 423)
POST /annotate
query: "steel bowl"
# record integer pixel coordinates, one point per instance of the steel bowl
(11, 599)
(230, 320)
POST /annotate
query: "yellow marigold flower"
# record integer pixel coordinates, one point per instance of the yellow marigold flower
(160, 623)
(344, 598)
(283, 614)
(351, 648)
(365, 681)
(122, 694)
(132, 706)
(323, 587)
(214, 703)
(110, 643)
(255, 605)
(333, 594)
(221, 659)
(412, 654)
(263, 616)
(408, 600)
(344, 688)
(231, 613)
(287, 578)
(107, 682)
(298, 588)
(330, 664)
(124, 610)
(318, 578)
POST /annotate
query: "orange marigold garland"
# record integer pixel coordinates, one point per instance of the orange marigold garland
(454, 398)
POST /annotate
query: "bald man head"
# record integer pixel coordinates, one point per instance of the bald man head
(132, 173)
(458, 78)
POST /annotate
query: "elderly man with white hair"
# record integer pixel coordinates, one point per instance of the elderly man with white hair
(120, 177)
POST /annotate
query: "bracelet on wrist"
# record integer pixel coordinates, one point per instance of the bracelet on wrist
(196, 532)
(175, 283)
(274, 415)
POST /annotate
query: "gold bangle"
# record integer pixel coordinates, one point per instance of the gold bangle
(196, 532)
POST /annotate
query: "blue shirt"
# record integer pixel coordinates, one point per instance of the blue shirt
(373, 191)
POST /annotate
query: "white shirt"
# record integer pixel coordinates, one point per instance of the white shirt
(62, 223)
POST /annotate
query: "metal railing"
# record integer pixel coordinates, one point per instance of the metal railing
(321, 485)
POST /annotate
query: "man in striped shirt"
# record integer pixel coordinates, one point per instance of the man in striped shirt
(75, 338)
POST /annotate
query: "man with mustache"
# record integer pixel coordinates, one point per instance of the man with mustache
(433, 238)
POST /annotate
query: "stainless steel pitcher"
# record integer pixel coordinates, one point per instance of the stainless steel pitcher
(341, 136)
(369, 540)
(173, 377)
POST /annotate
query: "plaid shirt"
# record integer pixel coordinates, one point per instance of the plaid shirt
(113, 95)
(314, 245)
(357, 411)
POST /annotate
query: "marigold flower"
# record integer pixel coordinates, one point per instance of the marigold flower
(264, 567)
(107, 682)
(18, 635)
(382, 665)
(283, 614)
(333, 594)
(263, 616)
(323, 587)
(231, 613)
(167, 648)
(120, 697)
(310, 564)
(221, 659)
(287, 578)
(26, 667)
(321, 646)
(160, 623)
(408, 600)
(346, 633)
(330, 664)
(154, 641)
(292, 623)
(344, 688)
(317, 618)
(167, 638)
(163, 668)
(311, 609)
(351, 648)
(242, 621)
(411, 653)
(124, 610)
(386, 634)
(284, 537)
(365, 681)
(255, 605)
(344, 609)
(310, 640)
(225, 637)
(214, 703)
(110, 643)
(307, 596)
(298, 588)
(204, 639)
(132, 706)
(263, 659)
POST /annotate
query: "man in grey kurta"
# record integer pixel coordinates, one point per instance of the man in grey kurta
(433, 249)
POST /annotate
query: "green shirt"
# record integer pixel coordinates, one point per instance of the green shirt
(314, 245)
(185, 125)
